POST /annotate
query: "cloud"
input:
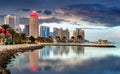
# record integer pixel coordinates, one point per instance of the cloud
(51, 20)
(25, 10)
(95, 13)
(39, 11)
(24, 20)
(47, 12)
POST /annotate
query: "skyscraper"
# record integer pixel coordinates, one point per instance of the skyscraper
(34, 24)
(60, 33)
(82, 33)
(10, 20)
(66, 33)
(44, 31)
(55, 32)
(79, 32)
(26, 30)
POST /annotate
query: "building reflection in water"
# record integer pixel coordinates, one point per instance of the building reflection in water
(60, 52)
(34, 60)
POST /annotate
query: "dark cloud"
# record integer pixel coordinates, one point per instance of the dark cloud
(25, 21)
(51, 4)
(2, 18)
(51, 20)
(25, 10)
(95, 13)
(47, 12)
(39, 11)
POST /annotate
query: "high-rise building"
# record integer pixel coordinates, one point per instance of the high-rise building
(55, 32)
(82, 33)
(75, 34)
(66, 33)
(44, 31)
(51, 34)
(26, 30)
(60, 33)
(79, 32)
(10, 20)
(34, 24)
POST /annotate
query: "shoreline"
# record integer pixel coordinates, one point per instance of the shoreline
(7, 52)
(78, 44)
(18, 46)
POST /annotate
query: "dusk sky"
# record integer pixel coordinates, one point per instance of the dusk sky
(97, 17)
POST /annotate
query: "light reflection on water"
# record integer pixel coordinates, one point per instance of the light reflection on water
(67, 60)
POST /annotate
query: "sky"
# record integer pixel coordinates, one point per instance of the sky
(73, 13)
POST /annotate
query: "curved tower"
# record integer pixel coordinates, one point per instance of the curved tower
(34, 24)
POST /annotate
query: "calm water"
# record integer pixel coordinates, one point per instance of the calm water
(68, 60)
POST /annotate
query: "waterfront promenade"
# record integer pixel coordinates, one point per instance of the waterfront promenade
(78, 44)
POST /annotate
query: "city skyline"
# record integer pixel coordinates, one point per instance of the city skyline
(95, 16)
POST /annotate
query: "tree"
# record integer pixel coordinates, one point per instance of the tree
(5, 27)
(79, 37)
(32, 39)
(23, 37)
(64, 38)
(50, 38)
(72, 38)
(12, 32)
(57, 38)
(17, 38)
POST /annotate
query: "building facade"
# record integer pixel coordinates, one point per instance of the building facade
(10, 20)
(26, 30)
(55, 32)
(60, 32)
(44, 31)
(34, 24)
(66, 33)
(79, 31)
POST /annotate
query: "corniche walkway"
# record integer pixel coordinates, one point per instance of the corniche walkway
(78, 44)
(18, 46)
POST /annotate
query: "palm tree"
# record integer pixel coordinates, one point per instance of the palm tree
(57, 38)
(23, 37)
(5, 27)
(79, 37)
(32, 39)
(50, 38)
(12, 32)
(64, 38)
(72, 38)
(17, 38)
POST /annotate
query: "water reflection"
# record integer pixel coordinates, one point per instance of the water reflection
(60, 52)
(34, 60)
(67, 60)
